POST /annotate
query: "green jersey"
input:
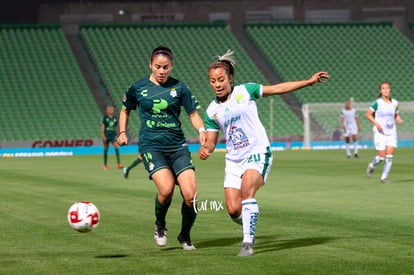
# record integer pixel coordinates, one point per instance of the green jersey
(110, 124)
(159, 111)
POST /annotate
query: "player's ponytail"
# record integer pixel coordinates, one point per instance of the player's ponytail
(225, 61)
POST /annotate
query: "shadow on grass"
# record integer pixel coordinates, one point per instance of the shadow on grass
(114, 256)
(269, 243)
(265, 243)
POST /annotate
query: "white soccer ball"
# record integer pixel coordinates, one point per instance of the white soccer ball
(83, 216)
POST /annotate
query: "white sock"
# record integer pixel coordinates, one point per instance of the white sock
(387, 166)
(250, 214)
(356, 147)
(348, 152)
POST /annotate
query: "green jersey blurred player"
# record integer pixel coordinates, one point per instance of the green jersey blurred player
(109, 133)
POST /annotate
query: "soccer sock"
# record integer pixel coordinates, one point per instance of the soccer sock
(356, 147)
(105, 156)
(348, 152)
(250, 214)
(117, 155)
(237, 220)
(376, 161)
(188, 217)
(387, 166)
(134, 163)
(160, 211)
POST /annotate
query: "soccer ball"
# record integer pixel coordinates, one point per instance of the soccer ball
(83, 216)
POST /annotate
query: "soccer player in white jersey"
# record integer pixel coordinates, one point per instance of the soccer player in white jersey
(350, 123)
(248, 157)
(384, 115)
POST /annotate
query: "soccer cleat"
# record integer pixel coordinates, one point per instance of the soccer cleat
(105, 167)
(160, 235)
(356, 156)
(246, 250)
(369, 170)
(120, 166)
(126, 172)
(186, 242)
(348, 156)
(384, 180)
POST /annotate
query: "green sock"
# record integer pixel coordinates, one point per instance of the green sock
(188, 218)
(134, 163)
(117, 156)
(160, 211)
(105, 156)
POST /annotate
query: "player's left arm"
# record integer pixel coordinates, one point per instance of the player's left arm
(398, 119)
(290, 86)
(358, 123)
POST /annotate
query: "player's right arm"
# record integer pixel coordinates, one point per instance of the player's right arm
(103, 132)
(123, 123)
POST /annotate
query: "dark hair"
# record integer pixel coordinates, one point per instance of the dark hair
(162, 50)
(382, 83)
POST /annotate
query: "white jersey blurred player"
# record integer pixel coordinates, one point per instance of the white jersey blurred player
(350, 123)
(248, 156)
(384, 115)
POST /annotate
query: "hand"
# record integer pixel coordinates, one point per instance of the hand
(399, 120)
(319, 77)
(203, 153)
(122, 139)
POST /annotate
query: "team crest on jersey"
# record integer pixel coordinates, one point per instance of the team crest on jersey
(238, 138)
(239, 98)
(173, 92)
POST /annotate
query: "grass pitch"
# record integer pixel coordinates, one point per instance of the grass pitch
(319, 214)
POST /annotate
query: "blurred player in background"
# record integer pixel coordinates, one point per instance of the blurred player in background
(248, 157)
(350, 123)
(109, 133)
(384, 115)
(162, 142)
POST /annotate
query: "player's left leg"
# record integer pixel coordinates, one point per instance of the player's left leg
(251, 182)
(118, 159)
(389, 154)
(188, 187)
(355, 143)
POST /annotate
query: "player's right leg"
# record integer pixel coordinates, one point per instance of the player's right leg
(163, 178)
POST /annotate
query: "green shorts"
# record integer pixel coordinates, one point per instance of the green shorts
(110, 138)
(177, 162)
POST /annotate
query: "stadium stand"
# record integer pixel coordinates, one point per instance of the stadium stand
(121, 54)
(358, 57)
(44, 95)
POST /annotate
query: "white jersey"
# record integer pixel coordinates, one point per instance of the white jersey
(385, 115)
(239, 120)
(349, 118)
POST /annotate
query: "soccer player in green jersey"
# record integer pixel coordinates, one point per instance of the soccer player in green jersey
(248, 154)
(162, 144)
(109, 132)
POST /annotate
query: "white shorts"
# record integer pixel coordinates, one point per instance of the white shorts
(381, 141)
(350, 131)
(235, 170)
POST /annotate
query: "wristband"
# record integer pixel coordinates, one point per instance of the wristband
(202, 129)
(122, 132)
